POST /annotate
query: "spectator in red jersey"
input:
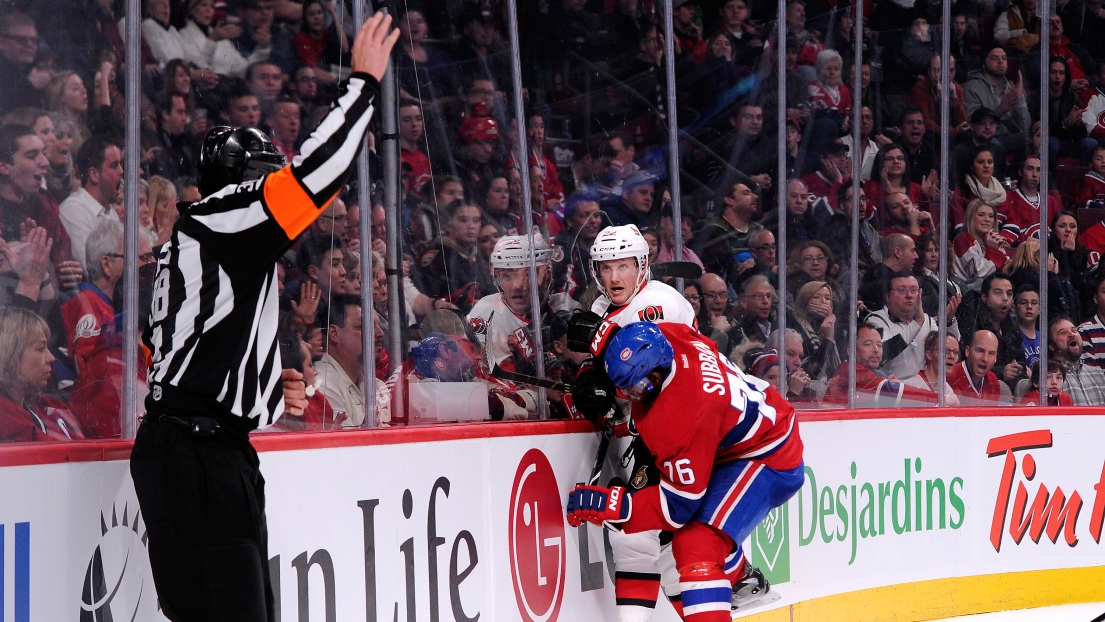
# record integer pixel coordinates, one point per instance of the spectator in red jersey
(411, 131)
(688, 36)
(835, 166)
(903, 216)
(1019, 216)
(1056, 376)
(872, 389)
(973, 380)
(1092, 186)
(809, 43)
(980, 250)
(925, 95)
(320, 44)
(92, 332)
(26, 413)
(891, 174)
(553, 190)
(830, 100)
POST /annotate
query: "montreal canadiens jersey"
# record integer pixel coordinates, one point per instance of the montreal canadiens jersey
(504, 334)
(708, 412)
(656, 302)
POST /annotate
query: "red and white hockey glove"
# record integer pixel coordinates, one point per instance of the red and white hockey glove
(599, 505)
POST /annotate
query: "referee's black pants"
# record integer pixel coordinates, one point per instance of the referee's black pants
(203, 502)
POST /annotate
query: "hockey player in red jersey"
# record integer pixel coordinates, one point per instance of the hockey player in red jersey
(619, 261)
(728, 451)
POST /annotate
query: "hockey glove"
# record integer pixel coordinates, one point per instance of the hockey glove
(593, 392)
(581, 330)
(623, 424)
(602, 506)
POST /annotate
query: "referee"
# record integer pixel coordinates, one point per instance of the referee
(215, 373)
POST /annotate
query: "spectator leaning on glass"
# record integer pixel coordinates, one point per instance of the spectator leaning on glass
(212, 381)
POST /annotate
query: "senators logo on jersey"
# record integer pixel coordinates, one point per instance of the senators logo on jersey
(478, 324)
(654, 313)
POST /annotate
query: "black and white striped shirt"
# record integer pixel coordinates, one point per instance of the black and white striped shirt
(214, 314)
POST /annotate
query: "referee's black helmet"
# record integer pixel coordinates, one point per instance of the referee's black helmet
(231, 155)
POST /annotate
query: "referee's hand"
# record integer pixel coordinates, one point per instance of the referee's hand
(295, 392)
(372, 47)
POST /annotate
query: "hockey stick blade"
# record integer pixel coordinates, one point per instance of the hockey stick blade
(530, 380)
(677, 269)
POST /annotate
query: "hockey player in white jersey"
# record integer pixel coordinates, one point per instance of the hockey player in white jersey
(502, 322)
(619, 260)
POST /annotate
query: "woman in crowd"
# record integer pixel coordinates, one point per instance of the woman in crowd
(652, 238)
(929, 376)
(708, 82)
(1072, 257)
(163, 208)
(1024, 269)
(890, 173)
(495, 200)
(425, 72)
(67, 96)
(490, 233)
(813, 319)
(26, 412)
(979, 250)
(927, 271)
(211, 47)
(61, 180)
(163, 38)
(830, 100)
(451, 267)
(319, 44)
(978, 182)
(812, 261)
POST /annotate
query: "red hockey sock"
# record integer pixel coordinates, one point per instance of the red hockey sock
(636, 589)
(706, 591)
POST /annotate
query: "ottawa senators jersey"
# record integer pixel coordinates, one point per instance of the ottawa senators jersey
(505, 335)
(708, 413)
(656, 302)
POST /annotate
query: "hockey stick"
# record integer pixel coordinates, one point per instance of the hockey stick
(530, 380)
(600, 455)
(677, 269)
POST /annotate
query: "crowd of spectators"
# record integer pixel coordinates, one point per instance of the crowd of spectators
(596, 118)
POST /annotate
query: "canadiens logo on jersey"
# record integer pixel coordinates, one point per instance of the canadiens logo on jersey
(654, 313)
(478, 324)
(86, 327)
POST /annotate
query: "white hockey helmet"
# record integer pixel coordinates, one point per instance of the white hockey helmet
(625, 242)
(514, 251)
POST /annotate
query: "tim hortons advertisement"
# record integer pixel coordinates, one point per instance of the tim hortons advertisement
(474, 529)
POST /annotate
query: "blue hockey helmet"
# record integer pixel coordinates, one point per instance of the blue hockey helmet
(442, 357)
(634, 352)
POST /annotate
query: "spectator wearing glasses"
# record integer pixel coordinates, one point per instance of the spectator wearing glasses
(890, 173)
(18, 47)
(764, 261)
(905, 326)
(812, 261)
(692, 293)
(93, 332)
(812, 320)
(899, 254)
(757, 312)
(929, 375)
(717, 311)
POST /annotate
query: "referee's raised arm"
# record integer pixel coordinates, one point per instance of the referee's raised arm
(297, 194)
